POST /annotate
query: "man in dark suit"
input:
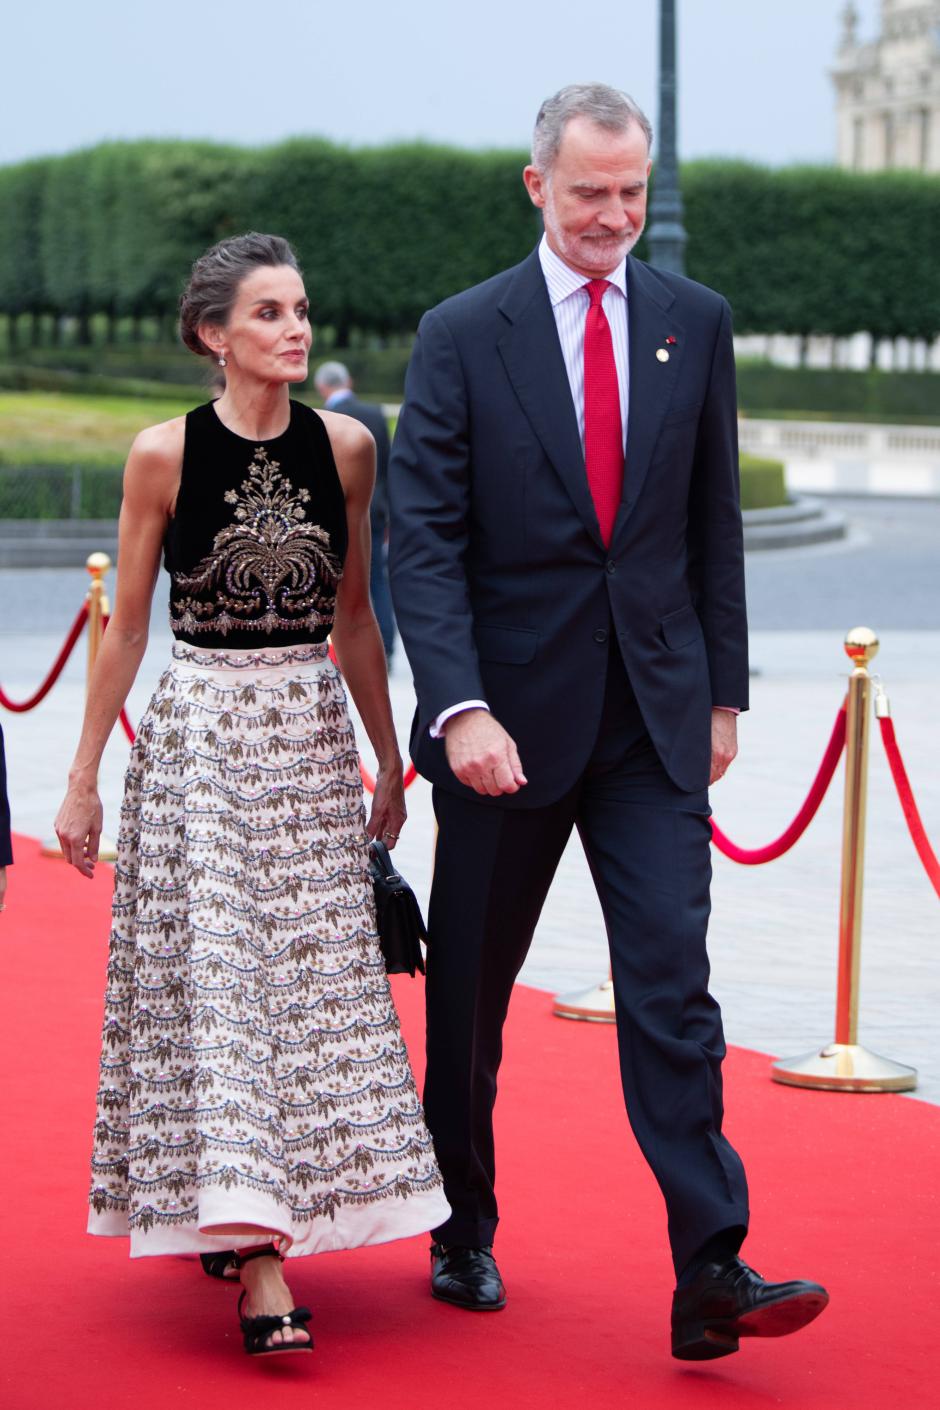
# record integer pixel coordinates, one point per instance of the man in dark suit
(335, 386)
(567, 569)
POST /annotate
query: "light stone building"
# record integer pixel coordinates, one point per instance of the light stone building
(888, 89)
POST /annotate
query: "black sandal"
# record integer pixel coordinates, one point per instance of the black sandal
(217, 1265)
(256, 1330)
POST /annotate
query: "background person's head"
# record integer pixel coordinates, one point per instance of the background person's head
(589, 175)
(246, 307)
(331, 377)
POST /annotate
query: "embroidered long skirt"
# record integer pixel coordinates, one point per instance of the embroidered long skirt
(252, 1068)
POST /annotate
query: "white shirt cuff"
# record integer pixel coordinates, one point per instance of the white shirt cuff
(437, 726)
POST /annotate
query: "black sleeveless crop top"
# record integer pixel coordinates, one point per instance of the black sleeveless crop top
(255, 548)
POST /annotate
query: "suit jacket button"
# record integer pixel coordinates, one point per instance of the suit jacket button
(600, 636)
(611, 566)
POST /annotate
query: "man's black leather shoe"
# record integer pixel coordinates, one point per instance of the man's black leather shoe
(725, 1301)
(467, 1277)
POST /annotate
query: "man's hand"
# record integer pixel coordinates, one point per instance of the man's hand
(481, 753)
(724, 742)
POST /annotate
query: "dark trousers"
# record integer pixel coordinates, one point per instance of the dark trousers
(648, 848)
(379, 590)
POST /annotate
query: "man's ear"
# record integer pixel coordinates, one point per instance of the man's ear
(536, 183)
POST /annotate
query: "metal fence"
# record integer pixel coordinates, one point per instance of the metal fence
(60, 492)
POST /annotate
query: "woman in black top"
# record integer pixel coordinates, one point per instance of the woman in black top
(255, 1093)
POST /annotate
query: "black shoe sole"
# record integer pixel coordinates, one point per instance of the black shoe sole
(469, 1306)
(704, 1341)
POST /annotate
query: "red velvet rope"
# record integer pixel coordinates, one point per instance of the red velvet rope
(126, 725)
(753, 857)
(908, 806)
(368, 782)
(20, 707)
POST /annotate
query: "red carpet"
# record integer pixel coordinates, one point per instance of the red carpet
(844, 1190)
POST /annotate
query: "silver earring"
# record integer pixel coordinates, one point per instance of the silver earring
(222, 362)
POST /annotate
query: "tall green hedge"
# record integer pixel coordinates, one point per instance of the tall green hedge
(22, 194)
(816, 249)
(384, 233)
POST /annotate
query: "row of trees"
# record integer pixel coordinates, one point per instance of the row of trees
(384, 233)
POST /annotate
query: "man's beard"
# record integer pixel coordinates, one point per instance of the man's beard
(604, 252)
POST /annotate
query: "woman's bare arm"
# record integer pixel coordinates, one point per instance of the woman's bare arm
(356, 637)
(151, 479)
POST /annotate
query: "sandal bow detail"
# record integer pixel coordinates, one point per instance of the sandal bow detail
(257, 1330)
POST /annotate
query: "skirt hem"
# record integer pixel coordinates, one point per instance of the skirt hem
(348, 1229)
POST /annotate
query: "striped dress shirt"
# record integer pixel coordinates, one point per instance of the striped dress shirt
(570, 302)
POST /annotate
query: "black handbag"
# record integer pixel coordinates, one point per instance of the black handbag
(397, 914)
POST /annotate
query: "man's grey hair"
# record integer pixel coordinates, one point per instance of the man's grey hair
(332, 375)
(608, 107)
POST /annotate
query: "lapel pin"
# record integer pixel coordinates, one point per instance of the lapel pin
(671, 340)
(662, 355)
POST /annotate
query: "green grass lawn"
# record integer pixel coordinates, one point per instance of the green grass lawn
(69, 428)
(60, 429)
(56, 428)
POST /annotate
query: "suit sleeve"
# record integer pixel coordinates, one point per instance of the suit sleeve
(430, 493)
(6, 846)
(715, 536)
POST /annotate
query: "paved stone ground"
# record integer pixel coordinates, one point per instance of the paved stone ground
(774, 928)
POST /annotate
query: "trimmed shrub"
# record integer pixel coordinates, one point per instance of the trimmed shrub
(878, 396)
(762, 483)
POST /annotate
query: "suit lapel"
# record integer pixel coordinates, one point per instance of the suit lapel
(533, 360)
(652, 381)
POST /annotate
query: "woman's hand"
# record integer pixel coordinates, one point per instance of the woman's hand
(3, 888)
(388, 806)
(78, 826)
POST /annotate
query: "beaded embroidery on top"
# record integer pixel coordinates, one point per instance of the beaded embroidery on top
(271, 569)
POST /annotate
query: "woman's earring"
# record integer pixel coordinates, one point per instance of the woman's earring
(222, 362)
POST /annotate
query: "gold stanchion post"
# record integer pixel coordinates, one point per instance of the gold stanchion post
(594, 1005)
(846, 1066)
(98, 609)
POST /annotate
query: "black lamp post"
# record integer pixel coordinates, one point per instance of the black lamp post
(667, 237)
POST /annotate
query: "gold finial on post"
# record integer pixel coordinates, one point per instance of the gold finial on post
(844, 1065)
(861, 646)
(98, 608)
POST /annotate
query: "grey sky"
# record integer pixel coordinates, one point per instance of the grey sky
(753, 73)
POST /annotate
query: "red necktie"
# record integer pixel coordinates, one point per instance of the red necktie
(603, 430)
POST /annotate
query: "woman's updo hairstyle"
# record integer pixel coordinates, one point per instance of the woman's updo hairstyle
(214, 283)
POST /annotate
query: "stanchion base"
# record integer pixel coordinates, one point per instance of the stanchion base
(107, 852)
(591, 1006)
(845, 1067)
